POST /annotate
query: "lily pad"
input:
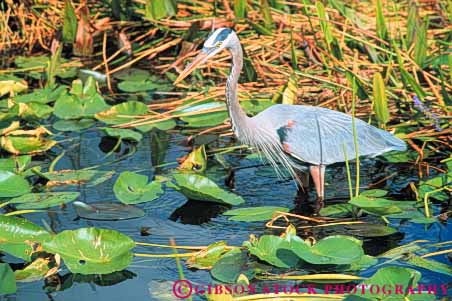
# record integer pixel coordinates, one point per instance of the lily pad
(11, 86)
(428, 264)
(205, 120)
(380, 206)
(19, 145)
(20, 250)
(233, 264)
(197, 187)
(337, 210)
(34, 271)
(196, 161)
(73, 125)
(44, 200)
(123, 112)
(15, 164)
(124, 134)
(33, 110)
(92, 250)
(254, 214)
(370, 230)
(12, 185)
(7, 280)
(132, 74)
(132, 86)
(90, 177)
(107, 211)
(42, 96)
(206, 258)
(20, 230)
(132, 188)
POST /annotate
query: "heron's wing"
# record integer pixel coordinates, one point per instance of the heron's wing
(321, 136)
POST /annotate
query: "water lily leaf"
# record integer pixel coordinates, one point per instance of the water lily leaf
(132, 74)
(123, 112)
(42, 96)
(370, 230)
(392, 276)
(337, 210)
(336, 249)
(196, 161)
(254, 214)
(12, 86)
(74, 107)
(92, 250)
(436, 183)
(76, 177)
(124, 134)
(12, 185)
(7, 280)
(379, 206)
(19, 250)
(16, 164)
(428, 264)
(197, 187)
(34, 271)
(233, 264)
(399, 157)
(132, 188)
(253, 107)
(424, 220)
(20, 230)
(32, 110)
(363, 263)
(107, 211)
(19, 145)
(205, 120)
(44, 200)
(206, 258)
(374, 193)
(274, 250)
(73, 125)
(133, 86)
(163, 125)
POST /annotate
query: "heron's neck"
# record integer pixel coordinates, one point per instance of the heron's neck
(240, 121)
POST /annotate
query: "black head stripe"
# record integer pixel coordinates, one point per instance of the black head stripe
(223, 35)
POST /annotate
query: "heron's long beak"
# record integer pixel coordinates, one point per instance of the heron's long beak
(200, 59)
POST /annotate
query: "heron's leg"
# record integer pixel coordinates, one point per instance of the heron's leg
(318, 176)
(302, 180)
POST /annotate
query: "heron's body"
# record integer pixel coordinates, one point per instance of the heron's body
(287, 134)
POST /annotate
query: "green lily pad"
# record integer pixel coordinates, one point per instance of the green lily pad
(16, 164)
(122, 113)
(90, 177)
(163, 125)
(205, 120)
(34, 271)
(132, 188)
(44, 200)
(124, 134)
(73, 125)
(274, 250)
(336, 249)
(233, 264)
(20, 230)
(379, 206)
(33, 110)
(12, 185)
(107, 211)
(132, 86)
(374, 193)
(7, 280)
(436, 183)
(19, 250)
(206, 258)
(370, 230)
(42, 96)
(132, 74)
(92, 250)
(428, 264)
(197, 187)
(337, 210)
(196, 161)
(20, 145)
(253, 107)
(254, 214)
(12, 86)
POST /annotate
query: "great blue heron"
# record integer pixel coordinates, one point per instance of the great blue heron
(288, 134)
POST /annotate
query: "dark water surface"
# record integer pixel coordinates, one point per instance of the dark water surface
(194, 223)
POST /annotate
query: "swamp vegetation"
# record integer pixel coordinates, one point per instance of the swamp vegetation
(112, 176)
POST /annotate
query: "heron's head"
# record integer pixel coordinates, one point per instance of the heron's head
(222, 38)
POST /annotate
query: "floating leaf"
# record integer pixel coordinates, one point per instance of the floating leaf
(132, 86)
(370, 230)
(374, 193)
(132, 74)
(20, 230)
(379, 206)
(436, 183)
(34, 271)
(33, 110)
(44, 200)
(274, 250)
(132, 188)
(428, 264)
(77, 177)
(205, 120)
(19, 145)
(196, 161)
(73, 125)
(233, 264)
(123, 112)
(206, 258)
(124, 134)
(7, 280)
(254, 214)
(107, 211)
(12, 86)
(42, 96)
(200, 188)
(19, 250)
(92, 250)
(16, 164)
(12, 185)
(337, 210)
(336, 249)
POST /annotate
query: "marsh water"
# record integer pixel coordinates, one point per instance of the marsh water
(196, 222)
